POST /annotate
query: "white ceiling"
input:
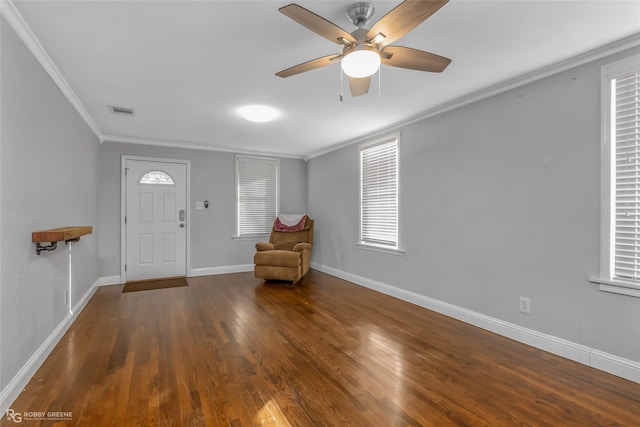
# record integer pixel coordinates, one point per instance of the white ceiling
(186, 66)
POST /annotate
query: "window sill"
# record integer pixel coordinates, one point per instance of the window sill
(384, 250)
(256, 237)
(617, 286)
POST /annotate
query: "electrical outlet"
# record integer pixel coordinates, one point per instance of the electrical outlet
(525, 305)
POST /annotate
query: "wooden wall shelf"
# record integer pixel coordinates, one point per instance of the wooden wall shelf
(55, 235)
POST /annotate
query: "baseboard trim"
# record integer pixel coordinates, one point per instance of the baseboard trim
(11, 392)
(209, 271)
(612, 364)
(109, 280)
(194, 272)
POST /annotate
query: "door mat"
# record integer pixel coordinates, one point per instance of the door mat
(147, 285)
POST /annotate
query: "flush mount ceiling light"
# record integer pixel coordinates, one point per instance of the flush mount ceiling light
(258, 113)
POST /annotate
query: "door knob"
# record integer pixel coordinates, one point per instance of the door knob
(182, 225)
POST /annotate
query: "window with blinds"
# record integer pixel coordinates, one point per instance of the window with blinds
(257, 194)
(625, 141)
(379, 193)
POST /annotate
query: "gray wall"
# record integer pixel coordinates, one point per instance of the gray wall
(212, 179)
(48, 179)
(498, 199)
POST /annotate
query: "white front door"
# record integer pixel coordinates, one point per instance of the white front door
(155, 219)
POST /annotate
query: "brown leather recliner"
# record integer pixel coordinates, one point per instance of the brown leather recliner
(286, 256)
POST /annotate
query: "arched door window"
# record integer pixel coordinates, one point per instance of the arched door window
(156, 177)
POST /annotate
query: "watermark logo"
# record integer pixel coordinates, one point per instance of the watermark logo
(14, 416)
(18, 417)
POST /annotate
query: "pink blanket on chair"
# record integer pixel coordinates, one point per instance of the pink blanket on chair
(279, 226)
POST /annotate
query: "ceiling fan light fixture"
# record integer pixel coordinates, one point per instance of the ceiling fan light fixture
(361, 61)
(258, 113)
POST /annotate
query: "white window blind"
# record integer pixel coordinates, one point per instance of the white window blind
(379, 194)
(625, 135)
(257, 194)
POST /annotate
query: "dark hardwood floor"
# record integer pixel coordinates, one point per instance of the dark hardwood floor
(229, 350)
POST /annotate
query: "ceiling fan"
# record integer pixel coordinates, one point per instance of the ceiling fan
(365, 49)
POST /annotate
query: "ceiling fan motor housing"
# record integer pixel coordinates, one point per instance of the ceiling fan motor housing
(360, 13)
(361, 42)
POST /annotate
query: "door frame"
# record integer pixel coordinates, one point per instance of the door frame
(123, 209)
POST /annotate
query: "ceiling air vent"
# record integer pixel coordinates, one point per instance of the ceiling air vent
(121, 110)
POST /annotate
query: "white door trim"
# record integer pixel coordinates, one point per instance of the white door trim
(123, 208)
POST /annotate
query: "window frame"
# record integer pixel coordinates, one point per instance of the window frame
(606, 278)
(248, 158)
(363, 244)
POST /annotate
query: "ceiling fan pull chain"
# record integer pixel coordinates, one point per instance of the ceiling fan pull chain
(341, 92)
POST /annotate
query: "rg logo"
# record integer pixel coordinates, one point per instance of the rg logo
(14, 416)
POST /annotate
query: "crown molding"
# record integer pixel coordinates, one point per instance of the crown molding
(618, 46)
(192, 146)
(10, 12)
(13, 16)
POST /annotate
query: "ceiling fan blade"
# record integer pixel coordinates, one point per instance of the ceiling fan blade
(359, 86)
(317, 24)
(403, 18)
(309, 65)
(414, 59)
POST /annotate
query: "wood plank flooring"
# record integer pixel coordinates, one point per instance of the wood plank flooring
(229, 350)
